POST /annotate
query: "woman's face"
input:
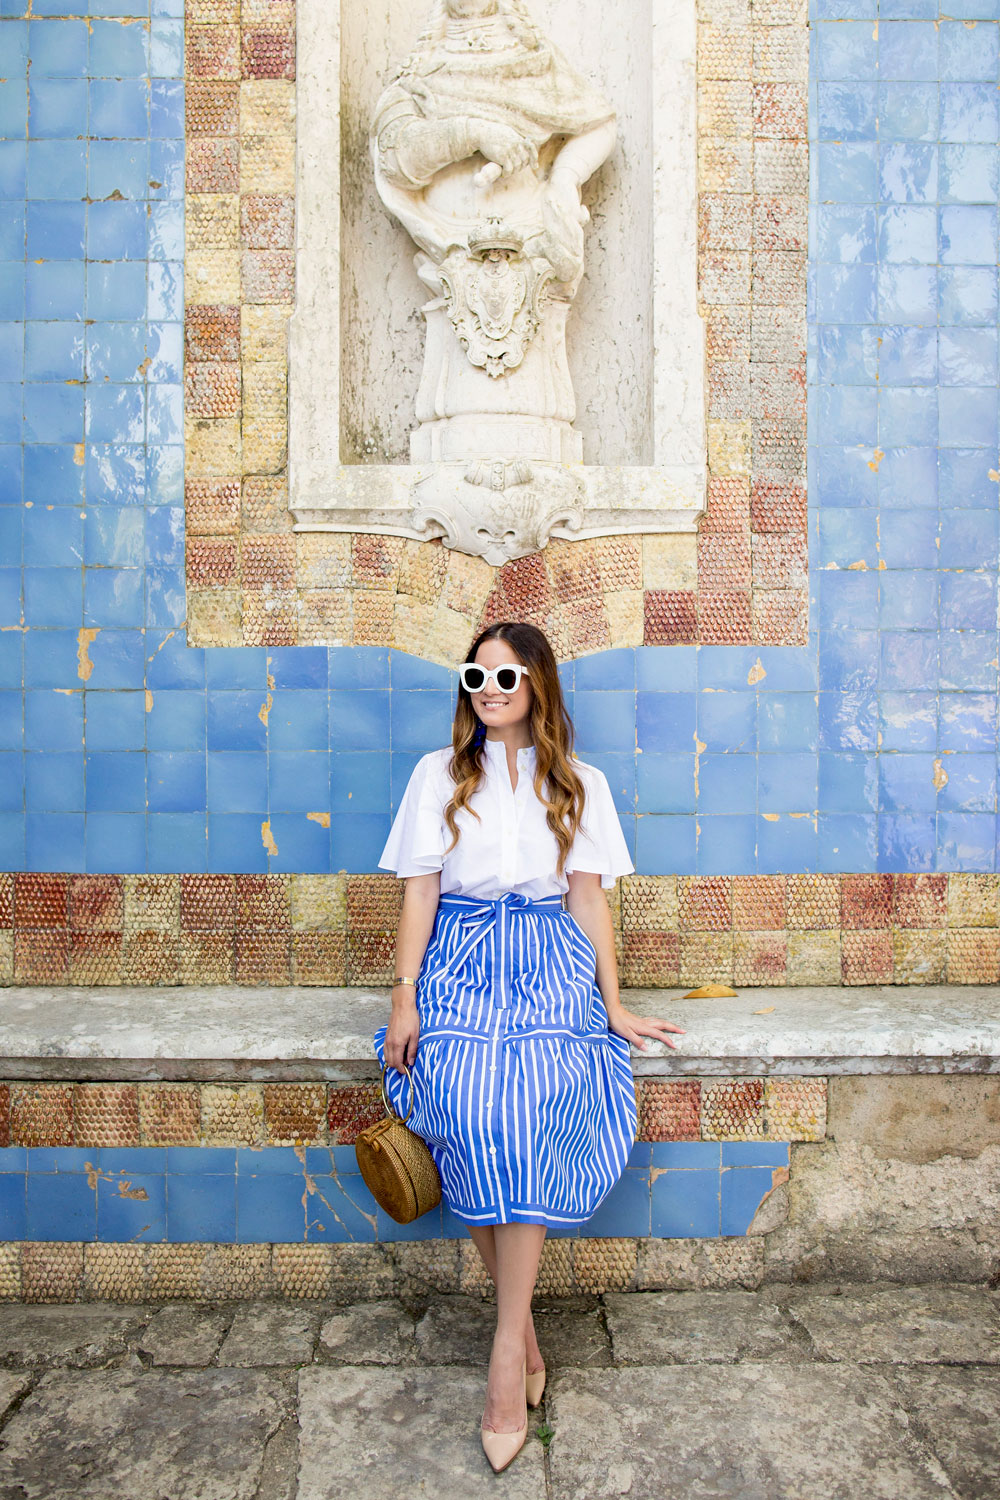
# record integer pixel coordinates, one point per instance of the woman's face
(500, 710)
(465, 10)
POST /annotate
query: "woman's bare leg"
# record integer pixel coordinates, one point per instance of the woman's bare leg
(518, 1248)
(482, 1238)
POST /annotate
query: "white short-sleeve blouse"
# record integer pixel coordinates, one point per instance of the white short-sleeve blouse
(510, 847)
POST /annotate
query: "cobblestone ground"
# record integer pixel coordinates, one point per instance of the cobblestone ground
(880, 1393)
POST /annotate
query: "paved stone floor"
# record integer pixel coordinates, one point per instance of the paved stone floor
(791, 1393)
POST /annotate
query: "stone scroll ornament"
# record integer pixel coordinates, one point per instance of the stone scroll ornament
(482, 143)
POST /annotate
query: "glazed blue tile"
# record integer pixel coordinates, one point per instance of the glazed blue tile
(117, 231)
(846, 111)
(419, 720)
(965, 480)
(968, 112)
(12, 353)
(787, 721)
(118, 51)
(358, 667)
(967, 721)
(727, 721)
(298, 666)
(968, 601)
(966, 841)
(303, 844)
(686, 1205)
(971, 785)
(116, 413)
(11, 467)
(166, 112)
(967, 417)
(787, 669)
(14, 35)
(909, 660)
(116, 291)
(620, 770)
(118, 167)
(606, 670)
(906, 841)
(165, 290)
(53, 351)
(968, 295)
(908, 111)
(845, 294)
(846, 355)
(176, 780)
(164, 414)
(12, 840)
(165, 474)
(237, 667)
(171, 663)
(908, 721)
(13, 169)
(13, 1205)
(908, 417)
(605, 721)
(114, 475)
(60, 1207)
(908, 173)
(906, 783)
(969, 174)
(665, 845)
(12, 284)
(846, 537)
(908, 50)
(165, 348)
(686, 1155)
(11, 659)
(297, 718)
(968, 659)
(845, 233)
(127, 1218)
(359, 720)
(114, 596)
(61, 1159)
(846, 50)
(907, 235)
(845, 599)
(968, 235)
(908, 478)
(165, 595)
(786, 782)
(626, 1209)
(848, 720)
(116, 842)
(116, 781)
(11, 781)
(665, 782)
(638, 1157)
(727, 783)
(754, 1154)
(201, 1208)
(847, 782)
(743, 1190)
(909, 539)
(269, 1208)
(52, 596)
(665, 721)
(974, 10)
(727, 844)
(115, 720)
(908, 356)
(56, 169)
(967, 54)
(908, 600)
(968, 539)
(237, 781)
(176, 843)
(215, 1161)
(10, 412)
(786, 844)
(357, 840)
(725, 666)
(55, 231)
(300, 782)
(57, 108)
(53, 538)
(844, 476)
(53, 413)
(113, 536)
(847, 173)
(843, 413)
(14, 1159)
(846, 842)
(234, 721)
(53, 781)
(119, 107)
(907, 294)
(166, 49)
(266, 1161)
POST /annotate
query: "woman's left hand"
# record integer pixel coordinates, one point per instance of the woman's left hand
(633, 1028)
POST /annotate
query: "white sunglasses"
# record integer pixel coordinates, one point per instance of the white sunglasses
(506, 677)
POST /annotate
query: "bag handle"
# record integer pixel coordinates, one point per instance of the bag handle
(386, 1102)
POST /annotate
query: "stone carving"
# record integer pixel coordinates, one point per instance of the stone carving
(482, 143)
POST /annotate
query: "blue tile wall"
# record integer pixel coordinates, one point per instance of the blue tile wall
(832, 760)
(241, 1196)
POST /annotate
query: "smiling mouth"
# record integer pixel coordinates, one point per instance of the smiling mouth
(494, 702)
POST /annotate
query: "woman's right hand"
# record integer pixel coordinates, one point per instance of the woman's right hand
(400, 1045)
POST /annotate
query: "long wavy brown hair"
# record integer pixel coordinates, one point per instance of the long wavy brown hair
(556, 783)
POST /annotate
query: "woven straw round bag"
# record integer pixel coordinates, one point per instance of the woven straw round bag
(396, 1165)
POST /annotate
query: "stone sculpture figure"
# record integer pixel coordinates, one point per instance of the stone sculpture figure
(482, 142)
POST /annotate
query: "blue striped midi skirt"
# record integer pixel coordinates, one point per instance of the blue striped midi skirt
(524, 1096)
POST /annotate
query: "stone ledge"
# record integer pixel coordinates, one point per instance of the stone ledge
(287, 1034)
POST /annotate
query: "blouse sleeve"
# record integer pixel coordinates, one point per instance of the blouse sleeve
(417, 838)
(599, 846)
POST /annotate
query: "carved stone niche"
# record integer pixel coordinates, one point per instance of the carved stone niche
(633, 459)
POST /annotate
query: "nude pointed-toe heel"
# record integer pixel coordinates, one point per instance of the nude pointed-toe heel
(501, 1448)
(534, 1386)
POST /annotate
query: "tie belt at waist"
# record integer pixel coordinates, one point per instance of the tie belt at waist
(483, 916)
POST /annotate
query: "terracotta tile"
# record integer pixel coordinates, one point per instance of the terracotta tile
(973, 900)
(374, 902)
(813, 901)
(778, 278)
(262, 903)
(51, 1271)
(780, 617)
(780, 222)
(586, 627)
(705, 903)
(150, 958)
(780, 111)
(41, 900)
(727, 332)
(232, 1114)
(41, 1114)
(211, 562)
(169, 1114)
(319, 958)
(671, 617)
(619, 562)
(269, 51)
(866, 901)
(267, 221)
(370, 957)
(350, 1108)
(206, 958)
(778, 507)
(732, 1109)
(212, 507)
(107, 1114)
(759, 902)
(779, 561)
(921, 900)
(6, 901)
(727, 506)
(265, 503)
(212, 165)
(648, 902)
(724, 221)
(267, 562)
(152, 903)
(706, 958)
(294, 1113)
(4, 1115)
(724, 618)
(920, 955)
(604, 1264)
(729, 389)
(95, 958)
(96, 903)
(973, 955)
(212, 389)
(813, 957)
(759, 958)
(207, 901)
(375, 560)
(263, 958)
(779, 453)
(572, 569)
(212, 51)
(866, 957)
(650, 958)
(212, 109)
(270, 619)
(670, 1110)
(41, 957)
(795, 1109)
(268, 275)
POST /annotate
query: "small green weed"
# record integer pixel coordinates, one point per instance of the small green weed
(544, 1434)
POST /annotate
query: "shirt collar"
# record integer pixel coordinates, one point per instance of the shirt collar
(495, 750)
